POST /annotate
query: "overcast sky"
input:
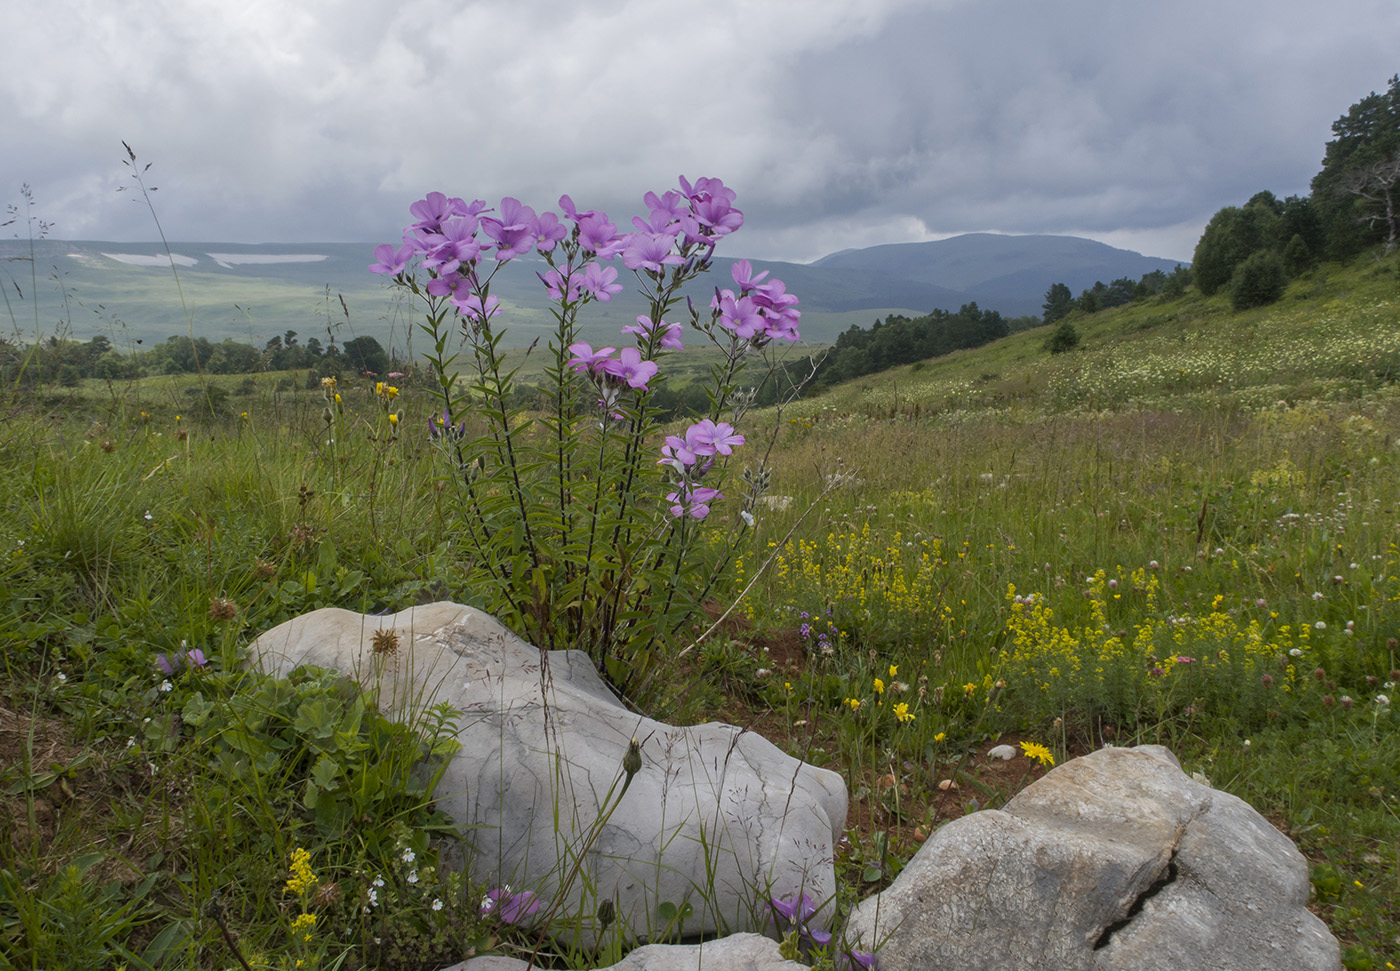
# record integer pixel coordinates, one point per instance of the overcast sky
(840, 123)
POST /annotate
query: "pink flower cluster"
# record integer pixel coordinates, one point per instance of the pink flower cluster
(760, 311)
(450, 236)
(691, 457)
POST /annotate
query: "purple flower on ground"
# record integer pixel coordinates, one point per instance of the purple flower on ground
(507, 907)
(796, 915)
(630, 369)
(860, 961)
(391, 261)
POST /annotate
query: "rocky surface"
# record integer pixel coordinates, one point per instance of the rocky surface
(542, 745)
(739, 952)
(1116, 860)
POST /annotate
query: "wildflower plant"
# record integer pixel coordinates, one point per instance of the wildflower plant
(590, 527)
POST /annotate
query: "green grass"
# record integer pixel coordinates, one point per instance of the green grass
(1189, 483)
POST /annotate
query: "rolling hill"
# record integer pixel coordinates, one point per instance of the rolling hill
(252, 292)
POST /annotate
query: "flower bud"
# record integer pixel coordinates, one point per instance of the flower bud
(632, 758)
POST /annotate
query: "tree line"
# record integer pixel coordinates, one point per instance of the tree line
(65, 361)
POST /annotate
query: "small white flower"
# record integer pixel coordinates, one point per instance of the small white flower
(1317, 594)
(131, 742)
(148, 514)
(747, 517)
(1321, 625)
(437, 904)
(408, 856)
(412, 876)
(378, 880)
(1382, 700)
(373, 897)
(1246, 743)
(61, 677)
(1296, 652)
(166, 686)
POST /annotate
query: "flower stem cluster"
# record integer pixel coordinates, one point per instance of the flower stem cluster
(579, 533)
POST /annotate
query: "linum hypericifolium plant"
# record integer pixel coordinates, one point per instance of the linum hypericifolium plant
(586, 529)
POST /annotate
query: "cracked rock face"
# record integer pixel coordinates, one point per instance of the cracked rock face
(1116, 860)
(542, 742)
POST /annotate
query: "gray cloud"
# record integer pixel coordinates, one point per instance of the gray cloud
(839, 124)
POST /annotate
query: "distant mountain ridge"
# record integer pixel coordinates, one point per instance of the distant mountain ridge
(250, 292)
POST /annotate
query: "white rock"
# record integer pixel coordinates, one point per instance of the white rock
(1116, 861)
(542, 740)
(1003, 752)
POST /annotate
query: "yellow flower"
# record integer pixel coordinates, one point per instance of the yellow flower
(178, 419)
(304, 925)
(940, 736)
(969, 688)
(902, 712)
(328, 384)
(302, 879)
(879, 686)
(853, 702)
(1034, 750)
(894, 669)
(394, 418)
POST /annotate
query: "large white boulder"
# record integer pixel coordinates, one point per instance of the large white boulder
(1117, 860)
(717, 817)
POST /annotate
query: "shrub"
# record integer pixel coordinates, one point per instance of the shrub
(1258, 281)
(1063, 338)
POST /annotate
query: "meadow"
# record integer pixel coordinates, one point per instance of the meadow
(1184, 533)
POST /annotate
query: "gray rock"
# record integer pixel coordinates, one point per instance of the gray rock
(1116, 860)
(739, 952)
(542, 744)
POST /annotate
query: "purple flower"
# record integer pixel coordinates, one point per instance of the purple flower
(645, 329)
(196, 658)
(597, 235)
(742, 271)
(555, 286)
(861, 961)
(443, 428)
(514, 231)
(739, 314)
(708, 438)
(695, 501)
(585, 358)
(473, 309)
(437, 207)
(598, 280)
(631, 370)
(548, 231)
(649, 251)
(797, 914)
(163, 663)
(391, 261)
(454, 244)
(507, 907)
